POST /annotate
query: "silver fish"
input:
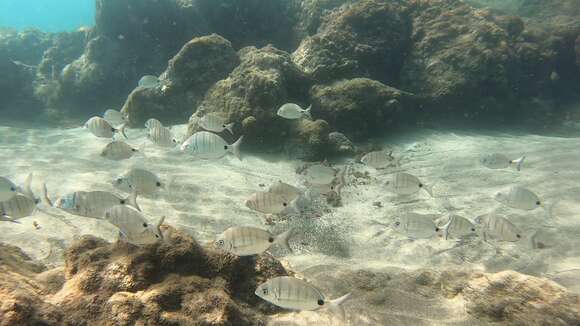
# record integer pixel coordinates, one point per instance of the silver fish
(133, 226)
(114, 117)
(415, 226)
(92, 203)
(118, 150)
(247, 241)
(500, 161)
(285, 190)
(103, 129)
(497, 227)
(518, 197)
(17, 207)
(458, 227)
(293, 293)
(319, 174)
(269, 203)
(7, 189)
(294, 111)
(215, 123)
(152, 123)
(149, 81)
(139, 180)
(161, 136)
(206, 145)
(407, 184)
(378, 159)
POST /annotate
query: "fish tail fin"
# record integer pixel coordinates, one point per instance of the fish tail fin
(122, 130)
(26, 188)
(282, 239)
(307, 113)
(549, 209)
(518, 162)
(336, 306)
(235, 148)
(230, 127)
(45, 195)
(6, 218)
(158, 227)
(132, 200)
(429, 189)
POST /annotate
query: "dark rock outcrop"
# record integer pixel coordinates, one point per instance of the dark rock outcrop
(361, 107)
(197, 66)
(265, 79)
(173, 282)
(365, 39)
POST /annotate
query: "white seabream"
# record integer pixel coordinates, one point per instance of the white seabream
(247, 241)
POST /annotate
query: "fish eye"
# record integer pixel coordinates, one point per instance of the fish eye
(472, 229)
(221, 242)
(144, 225)
(420, 185)
(437, 229)
(265, 291)
(158, 184)
(320, 302)
(157, 236)
(397, 223)
(518, 236)
(12, 189)
(270, 239)
(284, 204)
(113, 129)
(122, 202)
(133, 150)
(538, 203)
(225, 146)
(119, 180)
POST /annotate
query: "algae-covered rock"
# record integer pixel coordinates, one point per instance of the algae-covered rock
(251, 95)
(190, 73)
(361, 107)
(365, 39)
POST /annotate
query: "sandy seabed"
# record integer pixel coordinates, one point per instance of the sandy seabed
(204, 198)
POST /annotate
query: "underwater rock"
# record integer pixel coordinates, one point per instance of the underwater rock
(250, 97)
(193, 70)
(361, 107)
(171, 282)
(341, 143)
(310, 14)
(365, 39)
(512, 298)
(26, 46)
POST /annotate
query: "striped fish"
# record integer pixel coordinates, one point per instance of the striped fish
(206, 145)
(518, 197)
(293, 293)
(103, 129)
(133, 226)
(497, 227)
(7, 189)
(269, 203)
(458, 227)
(92, 203)
(415, 226)
(285, 190)
(17, 207)
(319, 174)
(114, 117)
(152, 123)
(500, 161)
(407, 184)
(118, 150)
(161, 136)
(141, 181)
(215, 123)
(378, 159)
(248, 241)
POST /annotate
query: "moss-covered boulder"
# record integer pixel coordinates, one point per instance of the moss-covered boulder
(361, 107)
(191, 72)
(365, 39)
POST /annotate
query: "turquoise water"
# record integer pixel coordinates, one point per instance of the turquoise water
(47, 15)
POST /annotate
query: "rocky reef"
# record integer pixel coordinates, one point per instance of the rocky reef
(177, 282)
(365, 66)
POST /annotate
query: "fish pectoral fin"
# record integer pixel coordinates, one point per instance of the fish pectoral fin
(335, 306)
(7, 218)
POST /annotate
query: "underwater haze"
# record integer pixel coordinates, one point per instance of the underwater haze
(290, 162)
(49, 16)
